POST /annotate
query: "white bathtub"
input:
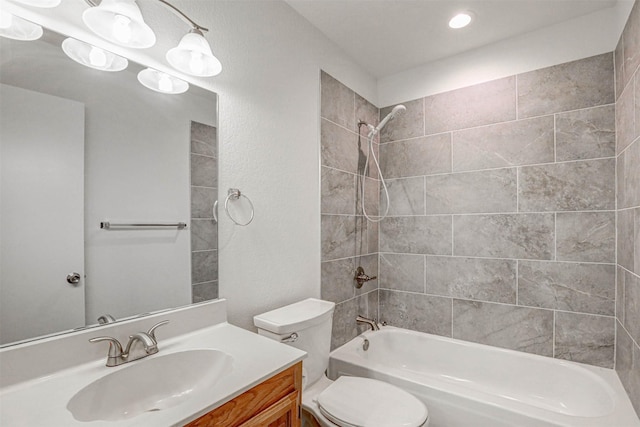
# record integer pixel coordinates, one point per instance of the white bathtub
(466, 384)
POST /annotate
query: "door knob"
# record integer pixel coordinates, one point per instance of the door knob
(73, 278)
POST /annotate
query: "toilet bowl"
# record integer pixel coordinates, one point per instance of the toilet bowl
(347, 401)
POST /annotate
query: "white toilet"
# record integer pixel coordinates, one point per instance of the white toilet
(348, 401)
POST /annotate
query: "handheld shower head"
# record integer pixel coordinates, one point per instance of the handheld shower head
(398, 109)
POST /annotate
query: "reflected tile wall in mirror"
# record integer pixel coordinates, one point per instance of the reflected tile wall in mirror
(204, 229)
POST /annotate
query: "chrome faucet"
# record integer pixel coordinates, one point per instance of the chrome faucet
(371, 322)
(117, 356)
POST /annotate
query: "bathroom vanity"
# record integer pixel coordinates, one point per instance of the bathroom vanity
(206, 373)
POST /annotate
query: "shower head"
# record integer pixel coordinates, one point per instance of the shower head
(398, 109)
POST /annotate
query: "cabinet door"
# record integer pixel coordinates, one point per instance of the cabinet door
(282, 414)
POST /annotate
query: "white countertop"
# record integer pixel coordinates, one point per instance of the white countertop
(43, 401)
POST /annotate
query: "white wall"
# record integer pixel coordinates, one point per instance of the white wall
(578, 38)
(270, 127)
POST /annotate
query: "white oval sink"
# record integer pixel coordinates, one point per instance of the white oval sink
(149, 385)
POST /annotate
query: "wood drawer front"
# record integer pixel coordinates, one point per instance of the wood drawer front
(282, 414)
(241, 409)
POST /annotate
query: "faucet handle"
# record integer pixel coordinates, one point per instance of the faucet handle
(152, 332)
(115, 348)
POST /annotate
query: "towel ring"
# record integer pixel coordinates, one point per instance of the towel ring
(233, 194)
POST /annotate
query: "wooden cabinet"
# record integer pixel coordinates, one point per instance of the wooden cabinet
(273, 403)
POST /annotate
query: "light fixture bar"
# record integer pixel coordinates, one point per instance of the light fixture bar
(175, 10)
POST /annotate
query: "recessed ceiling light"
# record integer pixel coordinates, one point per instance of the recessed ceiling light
(460, 20)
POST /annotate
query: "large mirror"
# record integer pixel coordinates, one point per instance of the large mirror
(80, 148)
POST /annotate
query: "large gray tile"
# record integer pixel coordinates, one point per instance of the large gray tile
(338, 192)
(583, 288)
(416, 235)
(585, 338)
(371, 197)
(579, 84)
(528, 236)
(416, 157)
(344, 326)
(625, 117)
(338, 236)
(336, 280)
(631, 43)
(339, 147)
(586, 236)
(406, 196)
(204, 292)
(405, 125)
(629, 177)
(632, 305)
(628, 366)
(204, 266)
(583, 185)
(373, 236)
(204, 139)
(489, 191)
(337, 102)
(506, 326)
(204, 171)
(402, 272)
(586, 134)
(477, 105)
(417, 312)
(620, 293)
(204, 234)
(521, 142)
(626, 239)
(472, 278)
(202, 200)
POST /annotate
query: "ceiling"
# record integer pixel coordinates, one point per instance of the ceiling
(389, 36)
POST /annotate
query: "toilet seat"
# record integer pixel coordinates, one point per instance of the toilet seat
(364, 402)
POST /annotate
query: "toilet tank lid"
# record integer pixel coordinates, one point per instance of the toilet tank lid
(294, 317)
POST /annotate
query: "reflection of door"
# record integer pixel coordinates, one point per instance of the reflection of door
(41, 213)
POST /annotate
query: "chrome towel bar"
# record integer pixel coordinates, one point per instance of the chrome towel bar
(106, 225)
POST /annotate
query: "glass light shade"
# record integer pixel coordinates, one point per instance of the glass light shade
(40, 3)
(92, 56)
(120, 22)
(162, 82)
(193, 56)
(14, 27)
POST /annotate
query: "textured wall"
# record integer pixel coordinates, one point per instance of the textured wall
(348, 240)
(503, 220)
(627, 64)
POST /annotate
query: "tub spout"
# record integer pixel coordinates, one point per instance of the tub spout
(371, 322)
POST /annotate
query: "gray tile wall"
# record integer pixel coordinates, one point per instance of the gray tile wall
(348, 239)
(502, 229)
(204, 230)
(627, 72)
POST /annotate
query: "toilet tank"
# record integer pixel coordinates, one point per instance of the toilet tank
(311, 320)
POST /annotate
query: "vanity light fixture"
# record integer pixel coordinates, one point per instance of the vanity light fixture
(121, 22)
(162, 82)
(40, 3)
(14, 27)
(92, 56)
(461, 20)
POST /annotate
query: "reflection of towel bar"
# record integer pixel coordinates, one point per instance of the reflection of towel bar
(106, 225)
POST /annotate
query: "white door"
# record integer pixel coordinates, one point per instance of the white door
(41, 213)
